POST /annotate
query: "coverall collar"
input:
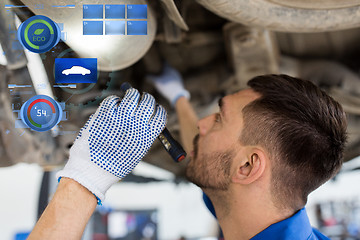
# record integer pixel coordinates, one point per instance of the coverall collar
(296, 227)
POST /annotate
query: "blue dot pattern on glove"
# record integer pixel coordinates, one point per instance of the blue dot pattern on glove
(121, 132)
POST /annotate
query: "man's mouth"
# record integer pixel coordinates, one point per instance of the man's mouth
(195, 144)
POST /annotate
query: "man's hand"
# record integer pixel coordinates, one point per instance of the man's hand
(169, 84)
(108, 147)
(114, 140)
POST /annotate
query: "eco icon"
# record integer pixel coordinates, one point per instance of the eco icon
(39, 34)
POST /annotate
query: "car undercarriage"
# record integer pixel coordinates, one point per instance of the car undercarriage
(217, 45)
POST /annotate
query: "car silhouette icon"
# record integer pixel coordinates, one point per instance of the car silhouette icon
(76, 70)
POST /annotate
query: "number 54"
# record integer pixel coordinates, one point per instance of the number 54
(39, 112)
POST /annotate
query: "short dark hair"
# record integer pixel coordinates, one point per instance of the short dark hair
(304, 131)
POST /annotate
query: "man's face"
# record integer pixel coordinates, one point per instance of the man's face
(217, 143)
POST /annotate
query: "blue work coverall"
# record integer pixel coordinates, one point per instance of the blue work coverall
(296, 227)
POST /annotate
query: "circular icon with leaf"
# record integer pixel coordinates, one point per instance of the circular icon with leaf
(38, 31)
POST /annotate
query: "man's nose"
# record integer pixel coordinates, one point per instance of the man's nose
(205, 124)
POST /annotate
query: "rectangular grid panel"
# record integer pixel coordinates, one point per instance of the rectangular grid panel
(114, 19)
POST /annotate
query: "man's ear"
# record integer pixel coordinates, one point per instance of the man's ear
(251, 167)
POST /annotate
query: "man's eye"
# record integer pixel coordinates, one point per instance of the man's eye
(217, 117)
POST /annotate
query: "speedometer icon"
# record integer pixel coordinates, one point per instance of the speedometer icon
(41, 113)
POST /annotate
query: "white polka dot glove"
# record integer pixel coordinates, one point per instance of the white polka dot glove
(114, 140)
(169, 84)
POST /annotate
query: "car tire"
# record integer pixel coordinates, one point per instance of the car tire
(289, 16)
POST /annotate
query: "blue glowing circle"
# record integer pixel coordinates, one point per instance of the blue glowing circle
(39, 34)
(41, 113)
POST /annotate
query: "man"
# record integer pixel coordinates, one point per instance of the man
(260, 157)
(257, 159)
